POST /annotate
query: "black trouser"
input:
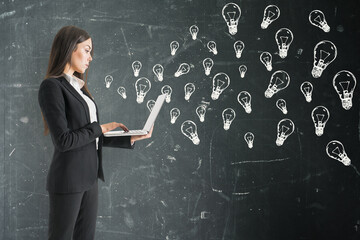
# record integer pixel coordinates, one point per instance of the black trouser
(73, 215)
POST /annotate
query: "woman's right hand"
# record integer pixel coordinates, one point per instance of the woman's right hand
(110, 126)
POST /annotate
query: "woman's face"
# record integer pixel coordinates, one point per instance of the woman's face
(81, 57)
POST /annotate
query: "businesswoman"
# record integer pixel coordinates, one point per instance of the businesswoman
(71, 116)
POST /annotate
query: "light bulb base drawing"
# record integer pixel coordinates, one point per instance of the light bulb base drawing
(346, 103)
(232, 29)
(345, 160)
(283, 52)
(195, 140)
(270, 92)
(177, 74)
(280, 141)
(284, 110)
(268, 67)
(215, 95)
(317, 71)
(250, 145)
(227, 125)
(187, 96)
(107, 85)
(242, 74)
(265, 23)
(173, 120)
(207, 72)
(319, 131)
(325, 27)
(238, 54)
(136, 73)
(308, 98)
(168, 98)
(140, 98)
(248, 109)
(202, 118)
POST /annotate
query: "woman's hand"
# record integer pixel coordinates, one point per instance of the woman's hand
(110, 126)
(141, 137)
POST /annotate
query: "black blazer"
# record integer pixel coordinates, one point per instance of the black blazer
(75, 163)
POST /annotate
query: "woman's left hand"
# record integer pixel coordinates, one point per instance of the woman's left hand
(141, 137)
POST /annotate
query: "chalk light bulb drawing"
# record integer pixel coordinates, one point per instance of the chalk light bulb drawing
(242, 70)
(158, 70)
(284, 38)
(244, 98)
(279, 80)
(174, 114)
(208, 63)
(194, 30)
(231, 13)
(325, 53)
(142, 87)
(307, 89)
(344, 83)
(201, 111)
(189, 129)
(150, 104)
(266, 59)
(320, 115)
(228, 116)
(284, 129)
(336, 150)
(166, 89)
(122, 92)
(239, 48)
(108, 80)
(174, 46)
(212, 47)
(271, 13)
(136, 66)
(220, 82)
(249, 139)
(281, 104)
(189, 89)
(184, 68)
(317, 18)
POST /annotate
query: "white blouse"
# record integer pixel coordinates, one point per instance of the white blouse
(78, 83)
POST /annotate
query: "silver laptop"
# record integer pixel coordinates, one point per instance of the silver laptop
(149, 122)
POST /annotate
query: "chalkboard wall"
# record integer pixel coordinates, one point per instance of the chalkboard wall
(171, 187)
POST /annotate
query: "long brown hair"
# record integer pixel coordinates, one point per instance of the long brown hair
(64, 44)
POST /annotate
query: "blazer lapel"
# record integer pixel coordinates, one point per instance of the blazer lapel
(77, 95)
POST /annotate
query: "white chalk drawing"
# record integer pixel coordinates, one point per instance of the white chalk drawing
(271, 13)
(336, 150)
(228, 116)
(242, 70)
(281, 104)
(184, 68)
(220, 82)
(136, 66)
(208, 63)
(249, 139)
(244, 98)
(194, 30)
(266, 59)
(174, 114)
(284, 129)
(317, 18)
(307, 89)
(344, 83)
(189, 129)
(212, 47)
(166, 89)
(158, 70)
(204, 215)
(284, 38)
(201, 111)
(108, 80)
(231, 13)
(174, 46)
(239, 48)
(325, 53)
(189, 89)
(279, 80)
(150, 104)
(320, 115)
(122, 92)
(142, 87)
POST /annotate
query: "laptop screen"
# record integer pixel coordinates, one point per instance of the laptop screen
(154, 112)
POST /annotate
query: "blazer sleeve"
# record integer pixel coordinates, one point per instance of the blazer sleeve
(52, 104)
(118, 142)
